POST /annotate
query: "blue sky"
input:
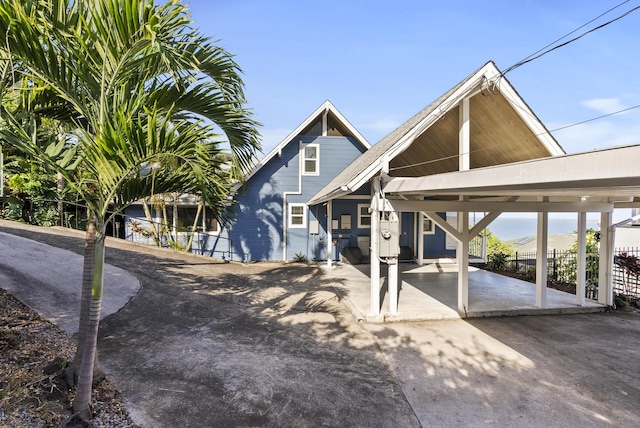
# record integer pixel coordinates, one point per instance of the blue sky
(380, 62)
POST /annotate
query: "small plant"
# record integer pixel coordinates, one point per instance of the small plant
(299, 257)
(46, 216)
(498, 261)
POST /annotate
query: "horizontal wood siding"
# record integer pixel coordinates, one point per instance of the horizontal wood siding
(435, 245)
(257, 230)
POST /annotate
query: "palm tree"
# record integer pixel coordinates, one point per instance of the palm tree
(150, 100)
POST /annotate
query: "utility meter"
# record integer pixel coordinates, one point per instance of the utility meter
(389, 242)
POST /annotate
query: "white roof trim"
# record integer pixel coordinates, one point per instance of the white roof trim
(466, 89)
(325, 107)
(610, 173)
(489, 70)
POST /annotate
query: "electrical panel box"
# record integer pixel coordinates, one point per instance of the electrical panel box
(389, 240)
(345, 221)
(314, 227)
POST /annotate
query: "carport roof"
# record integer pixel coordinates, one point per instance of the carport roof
(608, 175)
(503, 129)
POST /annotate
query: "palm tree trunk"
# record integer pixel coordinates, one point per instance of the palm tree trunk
(89, 348)
(85, 304)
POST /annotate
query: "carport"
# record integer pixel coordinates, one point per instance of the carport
(479, 148)
(429, 292)
(597, 181)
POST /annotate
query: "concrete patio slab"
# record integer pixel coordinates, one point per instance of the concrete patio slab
(429, 292)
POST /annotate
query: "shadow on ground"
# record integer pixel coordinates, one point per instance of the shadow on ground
(267, 344)
(226, 344)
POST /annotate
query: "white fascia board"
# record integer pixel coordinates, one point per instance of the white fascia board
(326, 106)
(468, 89)
(363, 141)
(529, 117)
(472, 206)
(615, 167)
(336, 194)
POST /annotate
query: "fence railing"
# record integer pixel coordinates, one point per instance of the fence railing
(562, 268)
(211, 244)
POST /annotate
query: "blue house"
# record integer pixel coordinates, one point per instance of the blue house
(271, 220)
(312, 196)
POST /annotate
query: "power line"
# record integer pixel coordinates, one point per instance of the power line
(570, 33)
(594, 118)
(543, 52)
(513, 141)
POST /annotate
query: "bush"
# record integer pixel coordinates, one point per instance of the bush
(46, 216)
(497, 261)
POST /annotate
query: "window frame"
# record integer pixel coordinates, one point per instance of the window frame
(304, 159)
(432, 229)
(290, 215)
(361, 216)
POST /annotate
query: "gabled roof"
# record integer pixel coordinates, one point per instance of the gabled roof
(326, 107)
(444, 109)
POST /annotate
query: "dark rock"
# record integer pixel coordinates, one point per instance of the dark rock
(620, 303)
(76, 421)
(55, 366)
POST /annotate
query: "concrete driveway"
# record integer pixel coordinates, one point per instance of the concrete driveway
(205, 344)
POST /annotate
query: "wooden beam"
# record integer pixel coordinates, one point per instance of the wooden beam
(541, 260)
(464, 136)
(482, 224)
(442, 223)
(506, 206)
(581, 259)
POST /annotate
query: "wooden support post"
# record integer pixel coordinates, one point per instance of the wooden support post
(329, 233)
(581, 259)
(605, 272)
(420, 238)
(375, 258)
(393, 286)
(462, 259)
(541, 260)
(464, 136)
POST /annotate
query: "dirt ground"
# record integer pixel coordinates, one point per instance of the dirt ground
(205, 344)
(33, 391)
(227, 344)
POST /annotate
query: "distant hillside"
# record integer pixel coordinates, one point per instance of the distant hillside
(558, 241)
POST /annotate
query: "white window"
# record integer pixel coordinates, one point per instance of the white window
(364, 216)
(210, 225)
(428, 227)
(297, 215)
(311, 159)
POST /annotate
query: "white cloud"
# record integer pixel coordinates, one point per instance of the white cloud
(599, 134)
(604, 105)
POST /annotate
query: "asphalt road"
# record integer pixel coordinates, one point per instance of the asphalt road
(203, 344)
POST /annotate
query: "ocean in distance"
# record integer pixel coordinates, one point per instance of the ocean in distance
(509, 228)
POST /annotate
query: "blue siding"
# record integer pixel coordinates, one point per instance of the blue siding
(407, 227)
(259, 215)
(435, 245)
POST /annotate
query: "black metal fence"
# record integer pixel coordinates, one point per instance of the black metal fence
(562, 268)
